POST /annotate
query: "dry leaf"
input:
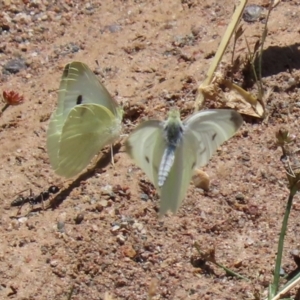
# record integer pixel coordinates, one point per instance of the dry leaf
(233, 97)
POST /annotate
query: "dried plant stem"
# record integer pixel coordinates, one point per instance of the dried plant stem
(288, 287)
(220, 52)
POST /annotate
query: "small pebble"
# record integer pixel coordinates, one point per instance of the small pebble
(53, 263)
(253, 13)
(115, 228)
(201, 180)
(138, 226)
(240, 197)
(128, 251)
(121, 239)
(14, 66)
(60, 226)
(79, 218)
(113, 28)
(144, 197)
(23, 220)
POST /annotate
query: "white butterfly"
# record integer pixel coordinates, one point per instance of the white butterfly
(169, 151)
(87, 119)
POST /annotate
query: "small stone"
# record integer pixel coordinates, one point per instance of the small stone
(201, 180)
(245, 157)
(74, 48)
(101, 205)
(103, 202)
(113, 28)
(238, 264)
(23, 220)
(128, 251)
(79, 218)
(249, 242)
(121, 239)
(60, 226)
(115, 228)
(53, 263)
(14, 66)
(295, 252)
(144, 197)
(282, 272)
(13, 225)
(95, 228)
(253, 13)
(240, 197)
(44, 17)
(138, 226)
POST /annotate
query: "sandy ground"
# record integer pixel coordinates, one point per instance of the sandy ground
(152, 55)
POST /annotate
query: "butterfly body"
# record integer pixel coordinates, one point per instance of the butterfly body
(86, 119)
(173, 132)
(169, 152)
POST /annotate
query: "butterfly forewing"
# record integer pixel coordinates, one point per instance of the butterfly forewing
(146, 145)
(82, 87)
(212, 128)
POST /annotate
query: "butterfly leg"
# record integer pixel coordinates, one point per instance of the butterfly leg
(112, 155)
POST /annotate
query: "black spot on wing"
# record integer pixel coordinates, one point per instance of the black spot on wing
(236, 119)
(202, 151)
(79, 100)
(147, 159)
(213, 136)
(193, 165)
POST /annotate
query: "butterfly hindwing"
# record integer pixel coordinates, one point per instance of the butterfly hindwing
(88, 128)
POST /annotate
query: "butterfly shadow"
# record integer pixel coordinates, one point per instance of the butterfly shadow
(103, 162)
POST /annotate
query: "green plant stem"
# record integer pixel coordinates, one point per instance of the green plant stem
(228, 271)
(293, 191)
(71, 293)
(4, 107)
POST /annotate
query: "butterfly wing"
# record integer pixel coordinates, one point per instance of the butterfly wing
(176, 185)
(212, 128)
(81, 86)
(145, 146)
(88, 128)
(80, 89)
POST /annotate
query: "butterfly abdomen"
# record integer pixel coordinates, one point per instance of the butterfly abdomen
(166, 164)
(173, 132)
